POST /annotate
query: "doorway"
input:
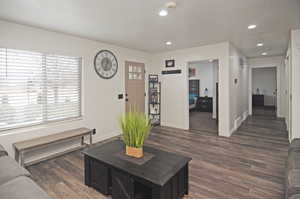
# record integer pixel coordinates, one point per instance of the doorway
(264, 91)
(203, 95)
(134, 86)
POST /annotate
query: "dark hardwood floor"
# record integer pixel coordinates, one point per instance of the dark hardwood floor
(203, 121)
(248, 165)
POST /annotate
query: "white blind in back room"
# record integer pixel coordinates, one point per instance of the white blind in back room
(38, 88)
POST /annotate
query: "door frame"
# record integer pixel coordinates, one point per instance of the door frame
(278, 84)
(187, 94)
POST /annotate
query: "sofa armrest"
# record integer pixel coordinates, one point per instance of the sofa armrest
(2, 151)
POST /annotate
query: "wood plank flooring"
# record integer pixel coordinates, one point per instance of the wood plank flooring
(248, 165)
(203, 121)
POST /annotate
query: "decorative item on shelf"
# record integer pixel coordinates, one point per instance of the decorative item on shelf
(257, 91)
(154, 100)
(153, 78)
(170, 63)
(154, 96)
(135, 130)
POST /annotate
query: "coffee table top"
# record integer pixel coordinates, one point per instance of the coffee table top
(158, 170)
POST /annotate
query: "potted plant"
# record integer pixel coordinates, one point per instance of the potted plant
(135, 130)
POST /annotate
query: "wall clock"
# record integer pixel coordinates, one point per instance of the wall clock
(106, 64)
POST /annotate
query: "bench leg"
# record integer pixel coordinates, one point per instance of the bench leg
(91, 138)
(21, 158)
(82, 140)
(16, 155)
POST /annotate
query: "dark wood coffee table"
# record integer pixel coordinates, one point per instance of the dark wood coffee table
(161, 175)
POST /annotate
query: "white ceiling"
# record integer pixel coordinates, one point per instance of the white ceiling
(135, 23)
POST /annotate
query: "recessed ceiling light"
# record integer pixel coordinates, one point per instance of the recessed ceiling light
(264, 53)
(168, 43)
(163, 13)
(250, 27)
(260, 44)
(171, 4)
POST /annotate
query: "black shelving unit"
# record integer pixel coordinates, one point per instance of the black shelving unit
(154, 106)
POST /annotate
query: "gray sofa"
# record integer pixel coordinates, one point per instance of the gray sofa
(292, 178)
(15, 182)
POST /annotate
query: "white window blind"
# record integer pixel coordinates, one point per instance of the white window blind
(37, 88)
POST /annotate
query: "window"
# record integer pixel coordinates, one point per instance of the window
(37, 88)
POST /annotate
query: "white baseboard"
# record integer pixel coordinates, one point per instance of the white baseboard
(175, 126)
(245, 115)
(214, 115)
(238, 121)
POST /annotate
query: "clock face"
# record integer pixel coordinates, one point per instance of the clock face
(106, 64)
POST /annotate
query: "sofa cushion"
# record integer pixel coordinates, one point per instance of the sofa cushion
(294, 178)
(295, 145)
(295, 142)
(297, 196)
(22, 188)
(10, 169)
(2, 151)
(293, 183)
(293, 161)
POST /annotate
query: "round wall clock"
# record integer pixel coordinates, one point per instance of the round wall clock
(106, 64)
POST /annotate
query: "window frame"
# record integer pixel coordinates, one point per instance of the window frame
(46, 121)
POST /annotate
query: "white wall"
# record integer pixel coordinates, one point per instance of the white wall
(101, 107)
(264, 79)
(295, 63)
(204, 73)
(175, 111)
(239, 71)
(233, 103)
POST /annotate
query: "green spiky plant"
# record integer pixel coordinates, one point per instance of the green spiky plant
(135, 127)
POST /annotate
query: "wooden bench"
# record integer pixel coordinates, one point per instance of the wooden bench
(23, 146)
